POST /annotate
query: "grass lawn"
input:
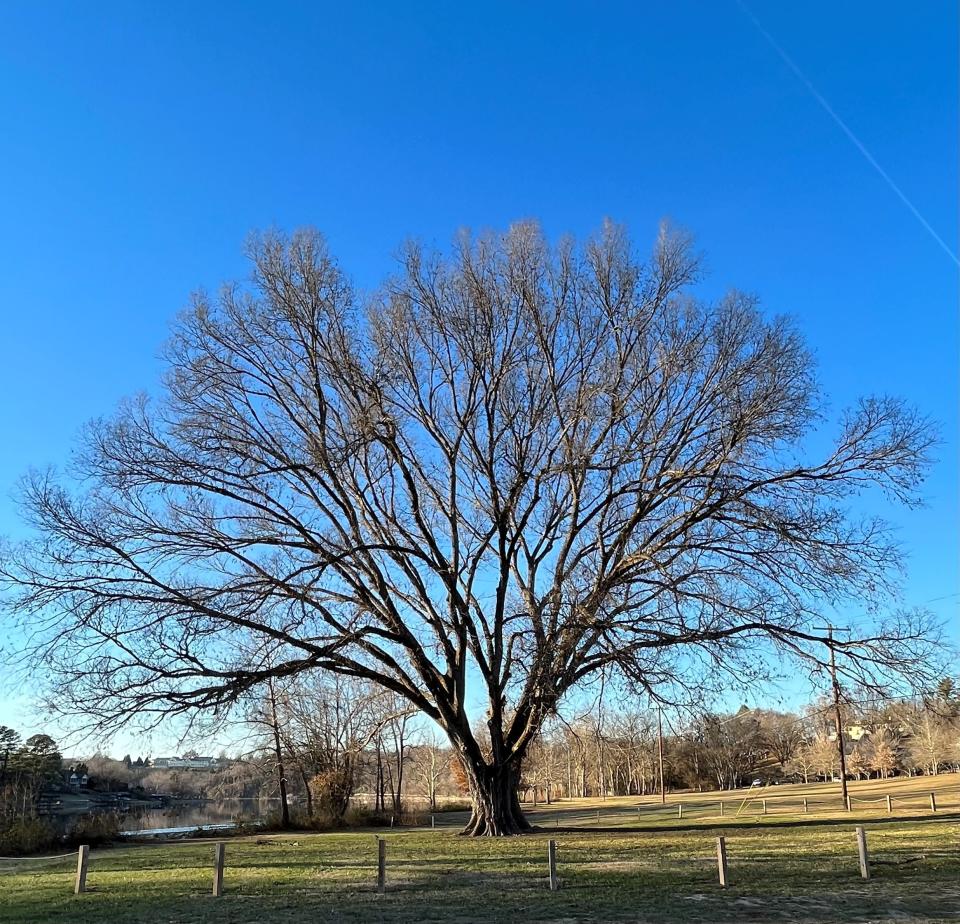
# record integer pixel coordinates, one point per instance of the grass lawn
(777, 873)
(910, 798)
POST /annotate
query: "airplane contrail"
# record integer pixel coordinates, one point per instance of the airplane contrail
(860, 146)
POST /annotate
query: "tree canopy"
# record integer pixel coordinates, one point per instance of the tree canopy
(516, 465)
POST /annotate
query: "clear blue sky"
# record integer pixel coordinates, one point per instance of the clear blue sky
(141, 142)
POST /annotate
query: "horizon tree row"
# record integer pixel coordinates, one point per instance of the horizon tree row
(617, 754)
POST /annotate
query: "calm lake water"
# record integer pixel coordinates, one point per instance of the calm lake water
(194, 814)
(189, 814)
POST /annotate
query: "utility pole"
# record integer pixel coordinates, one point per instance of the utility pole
(663, 792)
(838, 718)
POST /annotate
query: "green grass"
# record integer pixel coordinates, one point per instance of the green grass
(910, 798)
(777, 874)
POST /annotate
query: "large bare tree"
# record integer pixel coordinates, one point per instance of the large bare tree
(516, 466)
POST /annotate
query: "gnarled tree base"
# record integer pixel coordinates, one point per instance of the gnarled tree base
(496, 808)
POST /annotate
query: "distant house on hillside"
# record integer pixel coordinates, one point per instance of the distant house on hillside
(77, 780)
(186, 763)
(851, 733)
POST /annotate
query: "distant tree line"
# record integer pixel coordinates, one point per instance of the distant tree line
(334, 749)
(344, 742)
(335, 741)
(616, 752)
(27, 769)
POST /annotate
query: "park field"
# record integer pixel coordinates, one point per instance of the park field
(787, 804)
(806, 872)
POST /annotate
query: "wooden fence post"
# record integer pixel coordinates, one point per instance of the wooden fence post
(381, 865)
(764, 801)
(849, 805)
(721, 808)
(862, 852)
(933, 802)
(83, 858)
(806, 808)
(598, 816)
(219, 853)
(552, 865)
(679, 810)
(889, 805)
(433, 821)
(722, 861)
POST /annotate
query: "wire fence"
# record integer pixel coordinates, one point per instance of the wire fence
(751, 807)
(24, 860)
(409, 864)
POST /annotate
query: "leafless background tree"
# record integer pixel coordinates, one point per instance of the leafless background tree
(715, 751)
(517, 466)
(319, 725)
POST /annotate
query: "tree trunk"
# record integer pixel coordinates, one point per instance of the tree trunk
(380, 802)
(496, 808)
(307, 793)
(278, 750)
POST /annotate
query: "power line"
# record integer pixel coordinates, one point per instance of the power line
(939, 599)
